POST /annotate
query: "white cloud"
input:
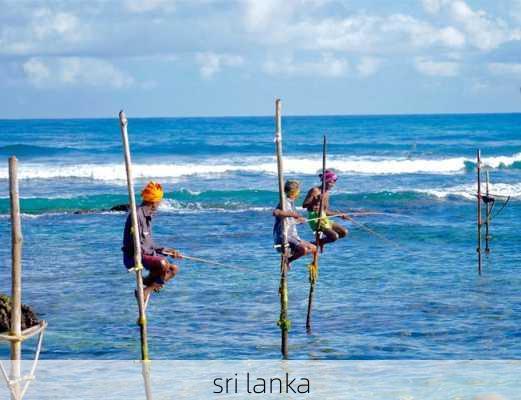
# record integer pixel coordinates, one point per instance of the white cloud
(142, 6)
(368, 66)
(211, 63)
(258, 14)
(74, 71)
(360, 33)
(482, 30)
(46, 24)
(36, 71)
(42, 31)
(436, 68)
(433, 6)
(327, 66)
(420, 33)
(505, 68)
(451, 37)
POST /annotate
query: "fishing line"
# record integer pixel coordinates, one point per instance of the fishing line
(379, 235)
(204, 261)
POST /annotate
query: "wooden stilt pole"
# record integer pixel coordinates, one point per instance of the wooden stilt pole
(145, 370)
(313, 268)
(479, 222)
(488, 211)
(16, 285)
(311, 292)
(284, 322)
(135, 234)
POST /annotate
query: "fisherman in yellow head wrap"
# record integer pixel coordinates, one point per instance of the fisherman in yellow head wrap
(152, 257)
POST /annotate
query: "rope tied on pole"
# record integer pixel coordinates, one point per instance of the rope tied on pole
(313, 273)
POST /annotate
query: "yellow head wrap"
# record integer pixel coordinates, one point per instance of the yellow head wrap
(153, 192)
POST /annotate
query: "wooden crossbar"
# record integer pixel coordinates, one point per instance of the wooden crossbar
(26, 334)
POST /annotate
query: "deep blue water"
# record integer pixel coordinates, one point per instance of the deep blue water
(420, 298)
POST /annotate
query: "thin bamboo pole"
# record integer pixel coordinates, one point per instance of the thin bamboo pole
(479, 222)
(313, 269)
(147, 378)
(488, 205)
(283, 323)
(135, 235)
(16, 284)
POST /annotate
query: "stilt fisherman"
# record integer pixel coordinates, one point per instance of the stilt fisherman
(160, 270)
(331, 231)
(297, 246)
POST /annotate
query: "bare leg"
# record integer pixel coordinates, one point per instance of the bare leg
(169, 271)
(298, 252)
(150, 282)
(340, 230)
(330, 236)
(302, 249)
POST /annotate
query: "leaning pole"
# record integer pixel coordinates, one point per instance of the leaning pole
(138, 267)
(313, 267)
(284, 322)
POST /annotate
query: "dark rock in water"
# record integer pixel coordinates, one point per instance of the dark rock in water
(29, 317)
(120, 207)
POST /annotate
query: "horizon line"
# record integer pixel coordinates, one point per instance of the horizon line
(263, 116)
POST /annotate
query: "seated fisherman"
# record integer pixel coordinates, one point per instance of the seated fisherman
(297, 246)
(152, 257)
(332, 231)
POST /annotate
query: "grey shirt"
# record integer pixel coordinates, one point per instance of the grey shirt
(144, 221)
(291, 225)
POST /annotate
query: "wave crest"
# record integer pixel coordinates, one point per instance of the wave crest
(262, 165)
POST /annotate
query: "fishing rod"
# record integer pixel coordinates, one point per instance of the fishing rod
(202, 260)
(197, 259)
(361, 213)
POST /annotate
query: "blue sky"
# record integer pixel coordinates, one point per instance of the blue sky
(209, 58)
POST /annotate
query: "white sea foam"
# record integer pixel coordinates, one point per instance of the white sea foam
(171, 205)
(468, 191)
(266, 165)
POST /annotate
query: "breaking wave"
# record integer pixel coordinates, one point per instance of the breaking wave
(262, 165)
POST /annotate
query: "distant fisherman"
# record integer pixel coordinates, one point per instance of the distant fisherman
(332, 231)
(297, 246)
(152, 257)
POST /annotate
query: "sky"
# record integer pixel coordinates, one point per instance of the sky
(82, 59)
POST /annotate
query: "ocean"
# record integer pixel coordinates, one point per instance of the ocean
(416, 295)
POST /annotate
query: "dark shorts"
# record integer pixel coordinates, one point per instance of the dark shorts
(292, 242)
(153, 264)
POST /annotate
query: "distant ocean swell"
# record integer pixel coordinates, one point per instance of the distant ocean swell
(262, 165)
(245, 200)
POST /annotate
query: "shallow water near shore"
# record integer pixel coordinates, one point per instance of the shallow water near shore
(181, 379)
(418, 299)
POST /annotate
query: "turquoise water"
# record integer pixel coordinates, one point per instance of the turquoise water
(420, 298)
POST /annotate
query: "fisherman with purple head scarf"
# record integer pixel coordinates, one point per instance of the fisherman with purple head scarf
(331, 230)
